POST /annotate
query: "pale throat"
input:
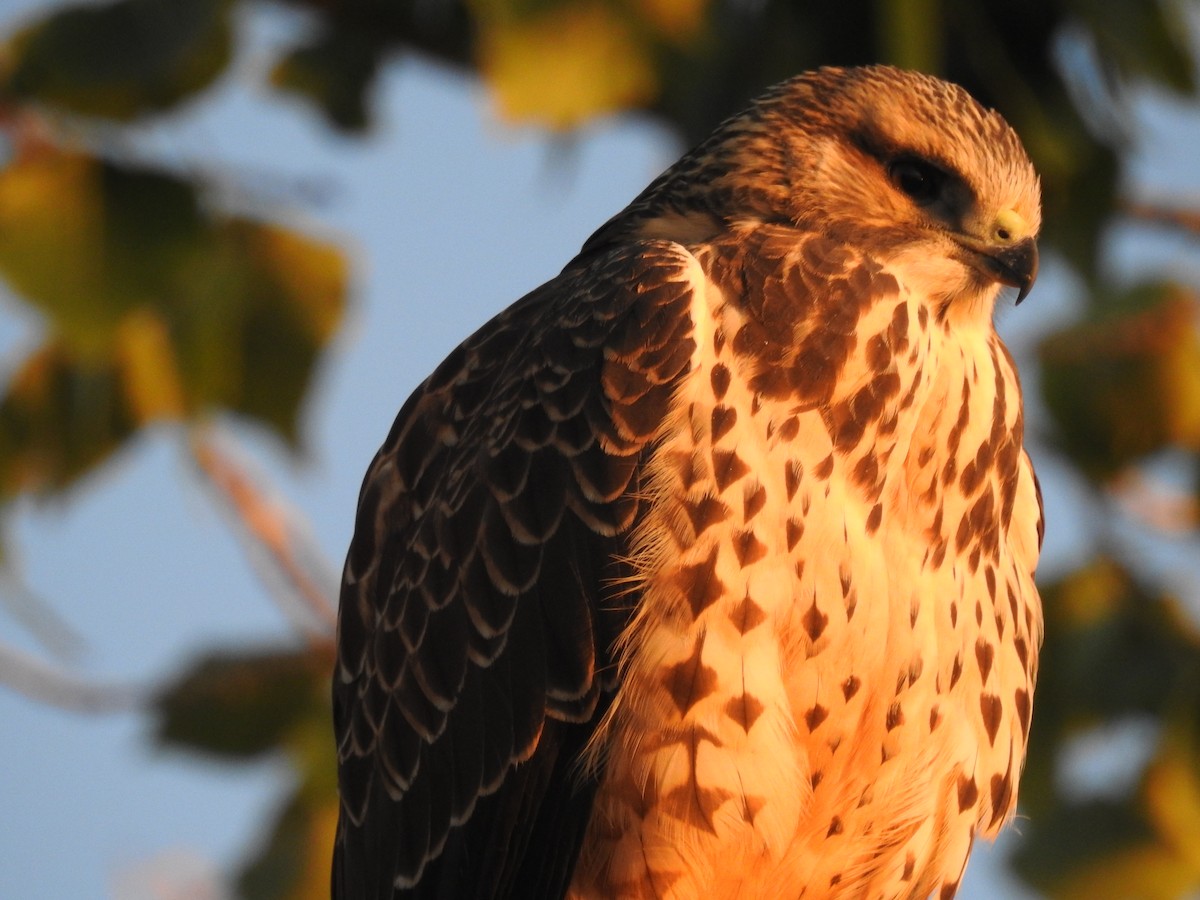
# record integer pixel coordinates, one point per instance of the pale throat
(956, 295)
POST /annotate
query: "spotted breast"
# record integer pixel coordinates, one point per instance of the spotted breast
(833, 507)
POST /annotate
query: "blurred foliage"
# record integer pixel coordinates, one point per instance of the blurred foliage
(1125, 382)
(156, 308)
(121, 60)
(239, 705)
(159, 305)
(1117, 650)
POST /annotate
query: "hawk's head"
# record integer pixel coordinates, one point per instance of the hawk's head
(905, 163)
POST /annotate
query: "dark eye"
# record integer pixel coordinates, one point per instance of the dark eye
(917, 178)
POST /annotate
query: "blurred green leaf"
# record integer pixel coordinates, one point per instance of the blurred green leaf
(1148, 40)
(1079, 177)
(1100, 850)
(910, 33)
(195, 310)
(1079, 835)
(1146, 845)
(335, 73)
(1127, 385)
(1115, 649)
(566, 64)
(244, 704)
(1171, 791)
(241, 705)
(1112, 649)
(119, 60)
(59, 417)
(88, 242)
(254, 347)
(295, 861)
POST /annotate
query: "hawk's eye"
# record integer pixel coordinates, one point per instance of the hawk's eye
(917, 178)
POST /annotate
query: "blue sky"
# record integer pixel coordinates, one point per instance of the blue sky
(449, 215)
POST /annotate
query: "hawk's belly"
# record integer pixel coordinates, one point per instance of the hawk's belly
(804, 706)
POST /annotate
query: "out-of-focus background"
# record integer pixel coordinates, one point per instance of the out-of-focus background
(234, 234)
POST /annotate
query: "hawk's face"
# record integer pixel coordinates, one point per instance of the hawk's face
(925, 169)
(910, 164)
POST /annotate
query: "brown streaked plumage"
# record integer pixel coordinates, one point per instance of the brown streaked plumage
(706, 569)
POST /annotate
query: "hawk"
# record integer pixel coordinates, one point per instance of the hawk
(706, 568)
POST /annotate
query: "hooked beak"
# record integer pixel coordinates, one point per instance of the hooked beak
(1016, 266)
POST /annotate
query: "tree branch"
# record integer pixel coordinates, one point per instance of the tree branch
(54, 686)
(280, 543)
(1184, 219)
(1154, 504)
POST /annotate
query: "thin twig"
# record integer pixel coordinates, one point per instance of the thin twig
(40, 619)
(1154, 505)
(1186, 219)
(280, 540)
(55, 686)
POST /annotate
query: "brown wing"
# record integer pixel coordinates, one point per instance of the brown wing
(480, 597)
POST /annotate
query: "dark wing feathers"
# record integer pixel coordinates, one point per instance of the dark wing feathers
(478, 603)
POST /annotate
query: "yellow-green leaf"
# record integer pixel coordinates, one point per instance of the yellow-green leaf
(60, 416)
(1171, 793)
(52, 245)
(567, 64)
(295, 862)
(1141, 871)
(195, 310)
(679, 21)
(147, 363)
(1127, 385)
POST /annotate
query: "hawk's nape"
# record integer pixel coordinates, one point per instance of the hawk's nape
(706, 569)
